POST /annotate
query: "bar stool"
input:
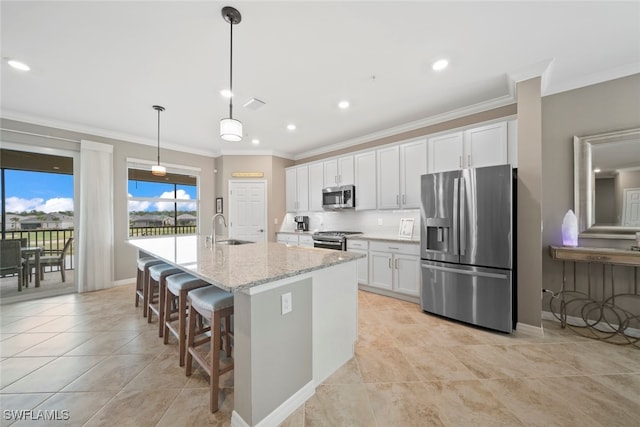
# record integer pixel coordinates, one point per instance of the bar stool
(155, 290)
(212, 304)
(178, 285)
(142, 278)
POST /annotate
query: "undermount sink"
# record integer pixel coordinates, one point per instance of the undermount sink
(232, 242)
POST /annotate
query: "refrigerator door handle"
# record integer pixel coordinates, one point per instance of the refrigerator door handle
(456, 190)
(466, 272)
(463, 219)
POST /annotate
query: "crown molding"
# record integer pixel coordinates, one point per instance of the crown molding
(407, 127)
(250, 152)
(94, 131)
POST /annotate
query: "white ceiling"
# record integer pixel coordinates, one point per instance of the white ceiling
(99, 67)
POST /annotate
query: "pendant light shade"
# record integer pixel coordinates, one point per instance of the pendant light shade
(230, 128)
(158, 169)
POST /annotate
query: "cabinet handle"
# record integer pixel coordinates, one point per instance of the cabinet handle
(469, 160)
(391, 247)
(390, 263)
(397, 199)
(404, 199)
(396, 263)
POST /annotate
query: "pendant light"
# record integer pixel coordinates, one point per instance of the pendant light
(230, 128)
(158, 170)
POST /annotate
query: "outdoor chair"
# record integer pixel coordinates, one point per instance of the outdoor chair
(11, 261)
(52, 258)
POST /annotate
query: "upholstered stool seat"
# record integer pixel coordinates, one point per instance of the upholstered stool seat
(178, 285)
(142, 278)
(212, 304)
(155, 290)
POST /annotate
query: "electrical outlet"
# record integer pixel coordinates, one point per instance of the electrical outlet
(287, 304)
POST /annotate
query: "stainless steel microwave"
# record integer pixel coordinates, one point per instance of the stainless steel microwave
(342, 197)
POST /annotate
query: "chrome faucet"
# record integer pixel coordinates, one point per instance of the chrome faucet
(213, 226)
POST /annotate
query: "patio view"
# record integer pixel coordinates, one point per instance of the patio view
(38, 210)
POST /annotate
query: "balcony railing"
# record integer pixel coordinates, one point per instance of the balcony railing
(162, 230)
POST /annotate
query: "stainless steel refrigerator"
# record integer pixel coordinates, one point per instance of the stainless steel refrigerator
(467, 244)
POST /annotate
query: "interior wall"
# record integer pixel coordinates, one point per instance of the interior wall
(529, 203)
(604, 107)
(125, 254)
(273, 169)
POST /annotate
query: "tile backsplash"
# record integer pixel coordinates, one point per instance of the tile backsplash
(385, 223)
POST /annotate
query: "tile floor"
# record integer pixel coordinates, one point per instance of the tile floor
(94, 356)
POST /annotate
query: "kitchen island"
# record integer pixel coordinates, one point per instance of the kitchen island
(279, 358)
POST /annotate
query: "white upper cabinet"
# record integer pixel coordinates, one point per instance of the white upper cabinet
(365, 171)
(302, 178)
(339, 171)
(389, 177)
(291, 189)
(486, 146)
(445, 152)
(413, 164)
(399, 170)
(472, 148)
(297, 189)
(316, 183)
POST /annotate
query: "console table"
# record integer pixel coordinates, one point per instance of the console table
(597, 311)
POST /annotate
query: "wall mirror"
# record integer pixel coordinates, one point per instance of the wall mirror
(607, 184)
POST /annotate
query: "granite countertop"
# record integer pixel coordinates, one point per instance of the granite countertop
(234, 268)
(365, 236)
(309, 233)
(385, 238)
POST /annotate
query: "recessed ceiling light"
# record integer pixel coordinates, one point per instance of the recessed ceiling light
(18, 65)
(291, 126)
(226, 93)
(596, 170)
(343, 105)
(255, 141)
(440, 65)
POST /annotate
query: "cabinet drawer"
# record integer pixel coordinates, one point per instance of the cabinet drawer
(357, 244)
(291, 239)
(393, 247)
(305, 240)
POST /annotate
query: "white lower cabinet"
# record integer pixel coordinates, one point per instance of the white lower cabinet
(362, 247)
(395, 267)
(305, 240)
(290, 239)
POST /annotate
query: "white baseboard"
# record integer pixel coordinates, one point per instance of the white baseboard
(547, 315)
(529, 330)
(281, 412)
(124, 282)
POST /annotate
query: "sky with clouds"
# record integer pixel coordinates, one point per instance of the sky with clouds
(50, 192)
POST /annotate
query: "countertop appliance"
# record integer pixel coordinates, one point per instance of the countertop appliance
(332, 239)
(467, 246)
(302, 222)
(341, 197)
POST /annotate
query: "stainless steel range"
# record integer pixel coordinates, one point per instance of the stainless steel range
(336, 240)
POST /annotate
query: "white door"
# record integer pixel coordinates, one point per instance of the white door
(631, 208)
(247, 210)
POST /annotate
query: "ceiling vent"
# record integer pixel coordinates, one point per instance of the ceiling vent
(253, 104)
